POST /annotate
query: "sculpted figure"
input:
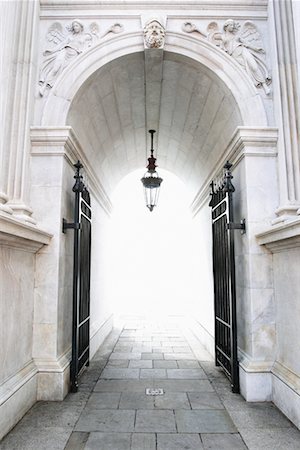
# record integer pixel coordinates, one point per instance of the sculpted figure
(65, 49)
(245, 47)
(154, 34)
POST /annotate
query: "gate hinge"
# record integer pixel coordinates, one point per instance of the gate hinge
(66, 225)
(237, 226)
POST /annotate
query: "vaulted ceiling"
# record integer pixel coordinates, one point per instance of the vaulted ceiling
(192, 110)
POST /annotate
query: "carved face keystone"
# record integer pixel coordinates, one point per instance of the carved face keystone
(154, 35)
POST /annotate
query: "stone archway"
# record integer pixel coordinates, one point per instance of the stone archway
(59, 101)
(75, 105)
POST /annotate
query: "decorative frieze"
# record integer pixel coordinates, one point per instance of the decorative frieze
(243, 44)
(65, 44)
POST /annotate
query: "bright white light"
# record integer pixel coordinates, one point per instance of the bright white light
(153, 266)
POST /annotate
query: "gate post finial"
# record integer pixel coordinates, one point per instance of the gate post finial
(78, 186)
(228, 186)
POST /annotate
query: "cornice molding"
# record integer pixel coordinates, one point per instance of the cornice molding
(281, 237)
(62, 141)
(16, 234)
(245, 142)
(243, 6)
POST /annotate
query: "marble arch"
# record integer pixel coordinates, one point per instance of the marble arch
(56, 107)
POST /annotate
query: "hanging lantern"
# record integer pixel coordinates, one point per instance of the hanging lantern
(151, 181)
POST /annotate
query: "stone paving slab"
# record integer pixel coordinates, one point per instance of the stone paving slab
(104, 400)
(123, 349)
(126, 339)
(142, 349)
(179, 442)
(106, 420)
(211, 370)
(77, 440)
(53, 414)
(172, 400)
(186, 374)
(136, 400)
(162, 364)
(223, 441)
(156, 343)
(179, 356)
(182, 349)
(162, 349)
(152, 356)
(140, 364)
(205, 400)
(123, 385)
(153, 373)
(185, 385)
(116, 373)
(108, 441)
(122, 344)
(188, 364)
(125, 355)
(155, 421)
(143, 441)
(204, 421)
(120, 363)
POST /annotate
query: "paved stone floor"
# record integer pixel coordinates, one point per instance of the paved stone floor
(112, 412)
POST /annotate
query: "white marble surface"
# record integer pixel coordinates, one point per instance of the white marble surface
(101, 94)
(256, 387)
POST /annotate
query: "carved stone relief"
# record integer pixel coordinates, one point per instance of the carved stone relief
(244, 44)
(64, 46)
(154, 34)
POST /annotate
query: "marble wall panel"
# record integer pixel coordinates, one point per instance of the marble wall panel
(286, 276)
(16, 302)
(65, 263)
(46, 201)
(255, 180)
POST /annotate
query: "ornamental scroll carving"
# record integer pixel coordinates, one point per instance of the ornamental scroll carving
(65, 44)
(154, 34)
(244, 44)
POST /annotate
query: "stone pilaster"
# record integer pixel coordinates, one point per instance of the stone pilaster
(286, 100)
(19, 21)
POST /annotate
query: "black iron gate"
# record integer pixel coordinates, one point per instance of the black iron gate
(224, 277)
(81, 277)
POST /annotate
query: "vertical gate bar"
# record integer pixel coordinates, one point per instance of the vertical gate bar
(219, 286)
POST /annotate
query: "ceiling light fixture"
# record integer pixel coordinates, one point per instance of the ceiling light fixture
(151, 181)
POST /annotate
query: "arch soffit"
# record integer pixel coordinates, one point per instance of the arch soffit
(248, 100)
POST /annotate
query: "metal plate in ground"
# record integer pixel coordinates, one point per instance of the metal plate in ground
(154, 391)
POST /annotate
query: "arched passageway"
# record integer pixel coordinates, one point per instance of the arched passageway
(195, 115)
(204, 110)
